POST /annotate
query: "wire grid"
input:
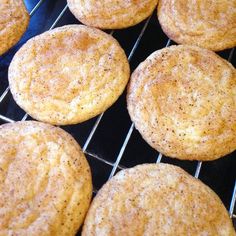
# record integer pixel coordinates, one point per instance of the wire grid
(116, 165)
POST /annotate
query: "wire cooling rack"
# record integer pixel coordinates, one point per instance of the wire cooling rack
(110, 140)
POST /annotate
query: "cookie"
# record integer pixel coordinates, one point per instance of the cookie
(14, 20)
(182, 101)
(45, 181)
(111, 14)
(68, 75)
(204, 23)
(156, 199)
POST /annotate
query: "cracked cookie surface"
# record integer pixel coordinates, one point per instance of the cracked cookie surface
(204, 23)
(45, 181)
(111, 14)
(14, 20)
(156, 199)
(182, 99)
(68, 75)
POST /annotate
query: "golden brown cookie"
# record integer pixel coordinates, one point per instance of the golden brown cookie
(68, 75)
(45, 181)
(156, 199)
(182, 101)
(204, 23)
(111, 14)
(14, 20)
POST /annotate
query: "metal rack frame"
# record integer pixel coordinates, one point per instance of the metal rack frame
(116, 165)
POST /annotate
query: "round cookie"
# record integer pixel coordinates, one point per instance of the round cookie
(182, 101)
(68, 75)
(111, 14)
(14, 20)
(204, 23)
(45, 181)
(156, 199)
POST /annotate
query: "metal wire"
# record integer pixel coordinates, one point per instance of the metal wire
(198, 169)
(4, 94)
(103, 160)
(159, 158)
(59, 17)
(116, 165)
(36, 7)
(233, 201)
(6, 119)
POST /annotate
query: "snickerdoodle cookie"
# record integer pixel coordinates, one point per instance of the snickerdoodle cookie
(68, 75)
(14, 20)
(156, 199)
(204, 23)
(111, 14)
(182, 101)
(45, 181)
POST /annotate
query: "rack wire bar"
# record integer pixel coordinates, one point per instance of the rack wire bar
(98, 158)
(198, 169)
(233, 201)
(24, 117)
(103, 160)
(59, 17)
(139, 38)
(91, 134)
(4, 94)
(4, 118)
(36, 7)
(159, 158)
(122, 151)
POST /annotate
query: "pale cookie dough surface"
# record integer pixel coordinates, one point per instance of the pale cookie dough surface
(45, 181)
(111, 14)
(68, 75)
(204, 23)
(156, 199)
(14, 20)
(182, 99)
